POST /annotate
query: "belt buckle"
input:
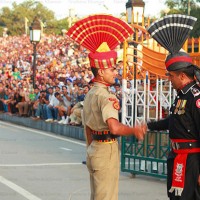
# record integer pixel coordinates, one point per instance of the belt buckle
(175, 145)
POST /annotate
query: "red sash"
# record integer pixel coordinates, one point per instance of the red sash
(178, 179)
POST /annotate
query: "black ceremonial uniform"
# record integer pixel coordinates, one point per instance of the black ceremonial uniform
(184, 123)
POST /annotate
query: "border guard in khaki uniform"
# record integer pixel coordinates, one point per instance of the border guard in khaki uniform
(101, 34)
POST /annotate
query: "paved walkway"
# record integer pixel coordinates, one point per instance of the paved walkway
(130, 188)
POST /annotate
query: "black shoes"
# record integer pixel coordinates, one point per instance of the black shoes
(84, 162)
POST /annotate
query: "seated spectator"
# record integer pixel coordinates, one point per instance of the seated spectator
(52, 110)
(80, 95)
(56, 89)
(82, 92)
(75, 117)
(36, 93)
(16, 74)
(67, 98)
(6, 100)
(42, 102)
(33, 98)
(91, 84)
(72, 77)
(118, 91)
(62, 109)
(15, 99)
(2, 92)
(23, 106)
(86, 88)
(44, 87)
(69, 84)
(88, 76)
(73, 94)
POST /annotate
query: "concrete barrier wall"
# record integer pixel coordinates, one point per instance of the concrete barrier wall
(66, 130)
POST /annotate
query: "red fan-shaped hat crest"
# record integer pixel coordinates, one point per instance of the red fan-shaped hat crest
(96, 30)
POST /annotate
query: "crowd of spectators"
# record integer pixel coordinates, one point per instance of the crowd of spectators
(63, 78)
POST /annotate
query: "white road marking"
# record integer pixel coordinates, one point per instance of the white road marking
(77, 192)
(42, 133)
(18, 189)
(66, 149)
(38, 165)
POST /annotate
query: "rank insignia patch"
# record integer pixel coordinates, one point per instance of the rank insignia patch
(195, 92)
(198, 103)
(115, 103)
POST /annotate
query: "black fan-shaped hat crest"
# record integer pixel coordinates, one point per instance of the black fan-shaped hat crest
(172, 31)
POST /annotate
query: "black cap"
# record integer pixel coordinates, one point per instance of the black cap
(178, 61)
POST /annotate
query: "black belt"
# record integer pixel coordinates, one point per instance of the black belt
(103, 136)
(185, 145)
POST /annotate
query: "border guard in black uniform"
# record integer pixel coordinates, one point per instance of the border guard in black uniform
(183, 122)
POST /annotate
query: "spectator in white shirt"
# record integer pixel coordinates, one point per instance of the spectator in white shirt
(52, 110)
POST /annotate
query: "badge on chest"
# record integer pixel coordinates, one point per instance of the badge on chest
(180, 107)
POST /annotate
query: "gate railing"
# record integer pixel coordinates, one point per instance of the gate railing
(147, 157)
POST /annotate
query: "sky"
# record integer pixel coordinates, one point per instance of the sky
(86, 7)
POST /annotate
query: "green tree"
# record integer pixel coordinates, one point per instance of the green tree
(171, 4)
(5, 16)
(181, 6)
(196, 30)
(185, 7)
(13, 18)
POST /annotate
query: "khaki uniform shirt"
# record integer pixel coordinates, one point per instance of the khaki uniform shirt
(99, 106)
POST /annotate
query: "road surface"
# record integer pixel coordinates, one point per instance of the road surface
(37, 165)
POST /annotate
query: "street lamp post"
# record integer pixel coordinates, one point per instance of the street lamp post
(64, 32)
(135, 11)
(35, 36)
(5, 30)
(188, 7)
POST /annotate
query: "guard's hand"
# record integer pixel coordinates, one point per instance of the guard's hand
(140, 131)
(199, 180)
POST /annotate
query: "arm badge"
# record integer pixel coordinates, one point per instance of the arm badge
(198, 103)
(115, 103)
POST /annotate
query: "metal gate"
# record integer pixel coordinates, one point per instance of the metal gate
(149, 156)
(149, 98)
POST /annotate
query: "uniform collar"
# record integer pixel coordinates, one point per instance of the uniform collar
(188, 87)
(99, 84)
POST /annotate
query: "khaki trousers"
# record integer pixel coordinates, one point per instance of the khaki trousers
(23, 108)
(103, 166)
